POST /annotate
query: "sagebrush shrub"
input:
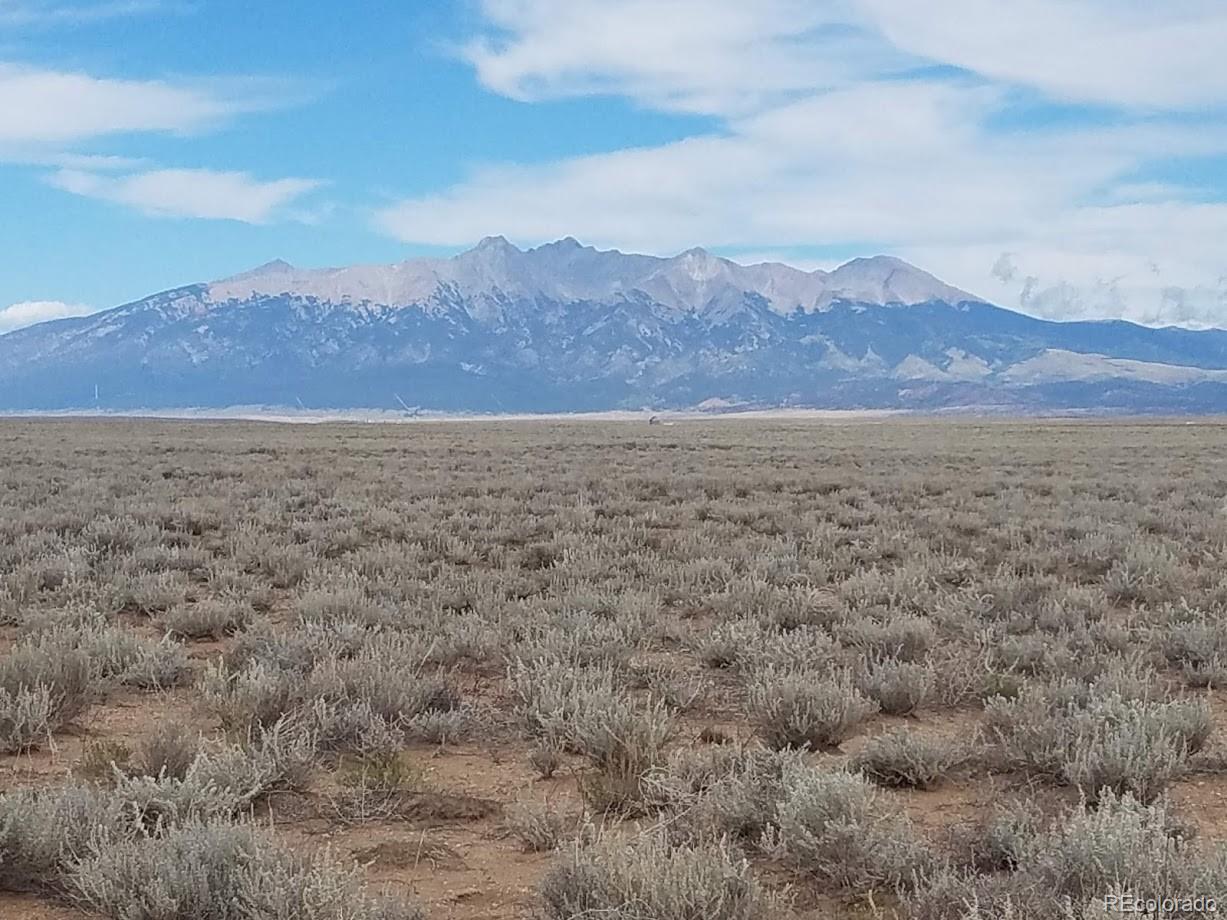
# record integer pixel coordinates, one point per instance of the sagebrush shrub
(375, 787)
(151, 593)
(580, 638)
(44, 832)
(540, 827)
(389, 679)
(269, 759)
(679, 690)
(27, 718)
(997, 841)
(837, 827)
(624, 739)
(255, 696)
(806, 647)
(346, 604)
(898, 687)
(1099, 741)
(53, 663)
(545, 759)
(586, 712)
(650, 877)
(371, 699)
(550, 696)
(726, 644)
(169, 750)
(104, 761)
(157, 666)
(283, 650)
(206, 619)
(903, 638)
(1120, 845)
(905, 758)
(344, 726)
(722, 793)
(930, 570)
(221, 871)
(798, 707)
(949, 893)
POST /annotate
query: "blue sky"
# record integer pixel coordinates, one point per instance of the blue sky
(1064, 157)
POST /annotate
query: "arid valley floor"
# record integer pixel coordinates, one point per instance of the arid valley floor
(721, 670)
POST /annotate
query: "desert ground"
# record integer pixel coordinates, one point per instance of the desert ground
(728, 670)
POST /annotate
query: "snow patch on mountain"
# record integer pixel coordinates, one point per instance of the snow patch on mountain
(696, 281)
(884, 280)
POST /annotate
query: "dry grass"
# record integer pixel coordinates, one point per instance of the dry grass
(695, 646)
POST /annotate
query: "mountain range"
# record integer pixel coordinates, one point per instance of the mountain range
(566, 327)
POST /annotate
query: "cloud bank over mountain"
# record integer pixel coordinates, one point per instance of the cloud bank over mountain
(1060, 133)
(30, 313)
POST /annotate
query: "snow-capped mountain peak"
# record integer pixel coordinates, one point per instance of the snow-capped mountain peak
(565, 326)
(567, 271)
(888, 280)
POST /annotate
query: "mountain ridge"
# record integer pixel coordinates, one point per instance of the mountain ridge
(566, 327)
(566, 269)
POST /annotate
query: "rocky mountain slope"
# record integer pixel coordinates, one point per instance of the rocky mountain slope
(566, 327)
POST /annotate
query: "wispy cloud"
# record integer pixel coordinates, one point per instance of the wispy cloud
(47, 116)
(20, 315)
(198, 193)
(898, 165)
(1115, 52)
(873, 123)
(711, 56)
(706, 54)
(40, 106)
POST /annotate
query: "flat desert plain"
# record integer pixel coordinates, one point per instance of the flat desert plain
(729, 670)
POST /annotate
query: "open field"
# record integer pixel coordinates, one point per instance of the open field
(717, 670)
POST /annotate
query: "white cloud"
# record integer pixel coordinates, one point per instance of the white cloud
(46, 112)
(199, 193)
(1121, 52)
(890, 164)
(845, 149)
(1150, 262)
(692, 55)
(717, 55)
(20, 315)
(39, 106)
